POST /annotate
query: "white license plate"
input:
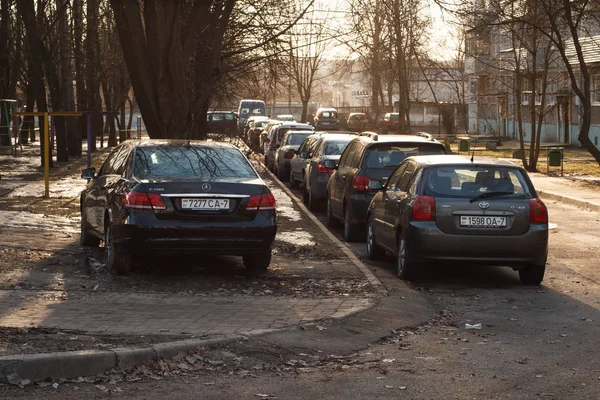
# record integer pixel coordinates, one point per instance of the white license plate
(205, 204)
(482, 221)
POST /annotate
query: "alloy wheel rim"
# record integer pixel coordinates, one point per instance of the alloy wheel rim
(401, 256)
(107, 244)
(370, 239)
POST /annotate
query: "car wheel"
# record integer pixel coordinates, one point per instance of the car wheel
(532, 275)
(404, 264)
(304, 193)
(350, 230)
(281, 173)
(86, 238)
(116, 259)
(331, 220)
(374, 252)
(258, 262)
(293, 182)
(312, 202)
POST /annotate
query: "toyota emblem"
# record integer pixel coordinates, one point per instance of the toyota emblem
(484, 204)
(206, 188)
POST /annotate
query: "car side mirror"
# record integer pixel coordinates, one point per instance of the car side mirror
(374, 185)
(331, 164)
(88, 173)
(303, 154)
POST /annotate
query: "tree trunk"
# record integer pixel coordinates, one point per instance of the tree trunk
(94, 102)
(36, 48)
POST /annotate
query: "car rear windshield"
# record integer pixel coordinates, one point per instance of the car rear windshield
(329, 114)
(334, 147)
(283, 131)
(470, 181)
(190, 161)
(391, 155)
(295, 139)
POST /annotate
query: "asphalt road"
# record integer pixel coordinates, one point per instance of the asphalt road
(534, 342)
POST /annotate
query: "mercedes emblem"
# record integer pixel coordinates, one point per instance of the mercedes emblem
(484, 204)
(206, 188)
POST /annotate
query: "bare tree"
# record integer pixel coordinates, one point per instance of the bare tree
(308, 42)
(174, 51)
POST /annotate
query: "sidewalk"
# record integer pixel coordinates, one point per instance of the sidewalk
(571, 191)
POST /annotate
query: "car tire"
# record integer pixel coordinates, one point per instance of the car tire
(293, 182)
(332, 222)
(532, 275)
(374, 252)
(405, 266)
(281, 174)
(116, 259)
(305, 194)
(350, 229)
(257, 263)
(86, 238)
(312, 201)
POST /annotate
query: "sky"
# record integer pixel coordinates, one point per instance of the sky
(443, 40)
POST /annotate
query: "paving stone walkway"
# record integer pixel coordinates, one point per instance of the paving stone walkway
(126, 313)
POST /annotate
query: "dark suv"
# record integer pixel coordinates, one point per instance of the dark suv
(451, 208)
(222, 122)
(369, 157)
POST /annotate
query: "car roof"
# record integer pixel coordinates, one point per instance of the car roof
(220, 112)
(459, 159)
(367, 138)
(180, 142)
(338, 136)
(293, 125)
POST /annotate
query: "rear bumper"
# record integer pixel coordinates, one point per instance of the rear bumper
(233, 238)
(427, 243)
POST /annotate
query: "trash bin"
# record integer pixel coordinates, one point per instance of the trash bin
(555, 158)
(463, 145)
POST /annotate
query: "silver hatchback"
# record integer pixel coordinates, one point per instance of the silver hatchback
(451, 208)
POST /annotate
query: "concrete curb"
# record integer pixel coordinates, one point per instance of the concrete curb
(72, 364)
(569, 200)
(373, 280)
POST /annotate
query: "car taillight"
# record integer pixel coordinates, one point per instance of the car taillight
(538, 213)
(321, 168)
(359, 183)
(424, 208)
(143, 200)
(288, 156)
(261, 202)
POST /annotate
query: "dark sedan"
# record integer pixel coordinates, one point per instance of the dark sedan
(177, 196)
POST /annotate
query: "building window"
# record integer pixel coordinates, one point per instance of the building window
(595, 87)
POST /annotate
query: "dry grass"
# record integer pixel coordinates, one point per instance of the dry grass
(577, 162)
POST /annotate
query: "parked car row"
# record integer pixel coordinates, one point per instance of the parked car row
(406, 197)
